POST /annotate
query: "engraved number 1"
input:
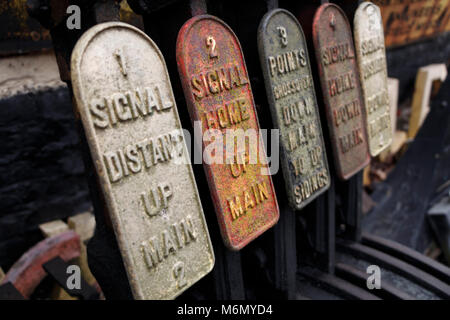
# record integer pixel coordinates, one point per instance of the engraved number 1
(178, 274)
(118, 54)
(211, 44)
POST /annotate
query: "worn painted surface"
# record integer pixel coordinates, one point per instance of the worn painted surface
(19, 32)
(293, 105)
(406, 21)
(217, 89)
(341, 89)
(124, 97)
(371, 57)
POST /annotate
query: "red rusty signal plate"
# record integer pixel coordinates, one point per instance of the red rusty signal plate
(218, 93)
(341, 89)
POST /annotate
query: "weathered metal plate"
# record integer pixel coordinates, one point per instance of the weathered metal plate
(406, 21)
(371, 57)
(123, 94)
(217, 89)
(290, 89)
(341, 89)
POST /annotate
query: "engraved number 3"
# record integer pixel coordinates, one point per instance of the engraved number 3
(211, 44)
(283, 35)
(178, 274)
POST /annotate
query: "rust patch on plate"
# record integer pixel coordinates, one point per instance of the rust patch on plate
(341, 89)
(290, 89)
(371, 56)
(124, 97)
(218, 93)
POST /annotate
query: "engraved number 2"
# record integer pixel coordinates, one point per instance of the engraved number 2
(211, 44)
(283, 35)
(178, 274)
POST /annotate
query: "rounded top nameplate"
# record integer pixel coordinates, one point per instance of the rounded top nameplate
(292, 99)
(220, 101)
(124, 97)
(371, 56)
(341, 88)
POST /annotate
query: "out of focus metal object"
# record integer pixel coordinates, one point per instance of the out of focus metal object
(408, 255)
(439, 219)
(371, 57)
(22, 34)
(26, 274)
(217, 89)
(124, 98)
(58, 269)
(9, 292)
(341, 89)
(293, 105)
(49, 257)
(19, 33)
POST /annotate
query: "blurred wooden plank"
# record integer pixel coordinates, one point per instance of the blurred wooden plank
(366, 175)
(53, 228)
(400, 138)
(393, 85)
(84, 225)
(422, 91)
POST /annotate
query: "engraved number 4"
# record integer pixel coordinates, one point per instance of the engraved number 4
(178, 274)
(283, 35)
(211, 44)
